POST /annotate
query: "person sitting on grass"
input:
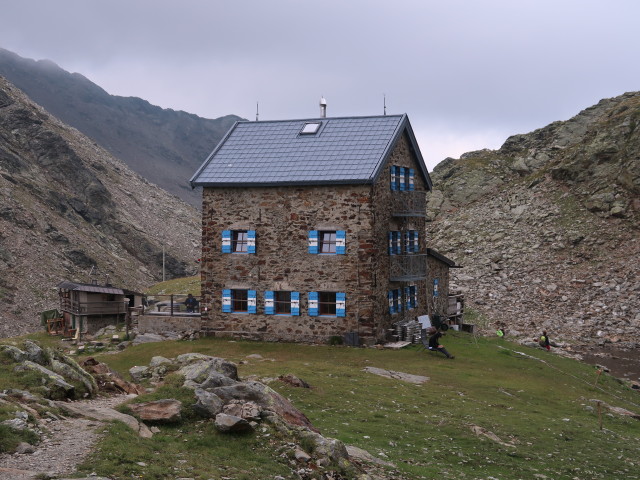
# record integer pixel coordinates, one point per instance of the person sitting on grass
(434, 344)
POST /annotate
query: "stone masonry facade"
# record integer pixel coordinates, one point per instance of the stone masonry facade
(282, 218)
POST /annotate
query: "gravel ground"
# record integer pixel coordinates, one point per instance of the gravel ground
(65, 444)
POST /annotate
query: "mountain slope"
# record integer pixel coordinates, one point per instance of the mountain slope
(66, 205)
(164, 146)
(547, 227)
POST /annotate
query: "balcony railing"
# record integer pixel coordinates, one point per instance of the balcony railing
(406, 268)
(409, 204)
(95, 308)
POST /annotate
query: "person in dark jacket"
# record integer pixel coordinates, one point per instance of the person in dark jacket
(544, 341)
(191, 303)
(434, 344)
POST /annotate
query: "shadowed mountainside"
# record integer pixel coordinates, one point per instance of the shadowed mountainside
(164, 146)
(67, 205)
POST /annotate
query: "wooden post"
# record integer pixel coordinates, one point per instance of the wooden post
(598, 376)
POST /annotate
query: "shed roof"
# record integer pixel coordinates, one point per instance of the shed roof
(442, 258)
(89, 287)
(341, 150)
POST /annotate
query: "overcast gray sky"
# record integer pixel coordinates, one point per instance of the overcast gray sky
(469, 73)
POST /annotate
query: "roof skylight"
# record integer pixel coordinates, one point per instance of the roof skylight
(310, 128)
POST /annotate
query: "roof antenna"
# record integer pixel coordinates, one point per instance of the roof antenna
(323, 107)
(257, 113)
(384, 101)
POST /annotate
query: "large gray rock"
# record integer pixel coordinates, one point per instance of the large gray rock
(35, 353)
(200, 370)
(139, 373)
(215, 379)
(14, 353)
(265, 397)
(167, 410)
(230, 424)
(208, 404)
(56, 383)
(105, 414)
(248, 410)
(68, 368)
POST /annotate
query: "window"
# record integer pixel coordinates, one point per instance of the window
(331, 304)
(410, 297)
(395, 246)
(395, 301)
(239, 301)
(330, 242)
(239, 241)
(411, 241)
(402, 178)
(327, 242)
(310, 128)
(281, 303)
(435, 287)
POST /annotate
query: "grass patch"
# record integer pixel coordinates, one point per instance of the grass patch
(538, 404)
(177, 286)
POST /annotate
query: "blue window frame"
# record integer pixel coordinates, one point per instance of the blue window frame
(395, 243)
(281, 303)
(330, 304)
(327, 242)
(238, 241)
(395, 301)
(239, 300)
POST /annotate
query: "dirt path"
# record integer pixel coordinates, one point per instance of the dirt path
(66, 443)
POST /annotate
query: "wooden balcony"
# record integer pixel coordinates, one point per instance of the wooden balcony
(409, 204)
(407, 268)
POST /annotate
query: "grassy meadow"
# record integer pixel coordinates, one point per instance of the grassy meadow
(497, 411)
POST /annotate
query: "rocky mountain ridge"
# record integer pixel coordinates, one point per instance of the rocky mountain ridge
(164, 146)
(547, 227)
(66, 206)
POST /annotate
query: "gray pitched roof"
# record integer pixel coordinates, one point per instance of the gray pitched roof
(346, 150)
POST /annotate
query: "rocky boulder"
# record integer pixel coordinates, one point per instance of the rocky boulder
(231, 424)
(162, 411)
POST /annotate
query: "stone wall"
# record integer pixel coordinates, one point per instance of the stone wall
(150, 323)
(282, 218)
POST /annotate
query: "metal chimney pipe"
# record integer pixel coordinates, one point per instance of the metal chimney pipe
(323, 108)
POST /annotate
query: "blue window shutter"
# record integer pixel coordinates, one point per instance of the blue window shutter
(414, 296)
(407, 298)
(313, 304)
(394, 186)
(401, 174)
(341, 304)
(226, 301)
(412, 176)
(269, 303)
(252, 303)
(435, 287)
(313, 241)
(398, 243)
(391, 250)
(416, 241)
(341, 242)
(392, 307)
(407, 241)
(226, 241)
(399, 296)
(295, 303)
(251, 241)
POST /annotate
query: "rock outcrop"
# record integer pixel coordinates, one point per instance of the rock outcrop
(547, 227)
